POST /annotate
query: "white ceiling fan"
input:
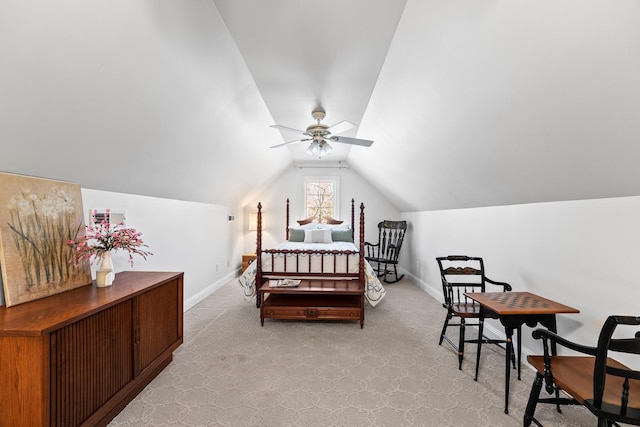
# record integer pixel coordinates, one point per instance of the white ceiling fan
(320, 134)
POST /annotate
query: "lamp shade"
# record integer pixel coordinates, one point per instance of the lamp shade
(319, 148)
(253, 221)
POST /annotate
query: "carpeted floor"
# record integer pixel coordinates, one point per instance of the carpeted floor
(230, 371)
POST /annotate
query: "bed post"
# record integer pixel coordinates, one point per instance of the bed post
(286, 232)
(361, 243)
(259, 254)
(353, 223)
(361, 279)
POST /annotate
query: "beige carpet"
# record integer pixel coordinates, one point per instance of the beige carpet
(230, 371)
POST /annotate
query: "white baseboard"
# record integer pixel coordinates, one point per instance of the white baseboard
(191, 302)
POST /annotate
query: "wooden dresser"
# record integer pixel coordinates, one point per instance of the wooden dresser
(77, 358)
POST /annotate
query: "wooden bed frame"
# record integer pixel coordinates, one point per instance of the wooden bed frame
(320, 296)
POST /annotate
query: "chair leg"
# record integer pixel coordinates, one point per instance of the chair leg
(382, 270)
(519, 332)
(378, 274)
(461, 345)
(480, 328)
(385, 273)
(444, 328)
(533, 400)
(395, 272)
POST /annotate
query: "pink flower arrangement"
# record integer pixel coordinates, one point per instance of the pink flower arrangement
(105, 237)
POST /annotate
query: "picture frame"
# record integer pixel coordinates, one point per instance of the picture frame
(38, 217)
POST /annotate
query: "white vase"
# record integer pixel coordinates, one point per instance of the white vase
(105, 274)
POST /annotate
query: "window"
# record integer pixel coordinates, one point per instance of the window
(321, 198)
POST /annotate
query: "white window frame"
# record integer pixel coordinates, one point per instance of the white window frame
(335, 180)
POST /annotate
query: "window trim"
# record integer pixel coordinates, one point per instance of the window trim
(336, 195)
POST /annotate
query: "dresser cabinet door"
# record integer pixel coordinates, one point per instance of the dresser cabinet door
(91, 360)
(158, 327)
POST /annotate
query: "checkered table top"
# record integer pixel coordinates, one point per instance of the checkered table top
(519, 303)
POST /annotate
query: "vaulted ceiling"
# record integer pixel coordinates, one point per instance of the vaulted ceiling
(469, 103)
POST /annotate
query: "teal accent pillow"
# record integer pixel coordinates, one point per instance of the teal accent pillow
(341, 236)
(296, 235)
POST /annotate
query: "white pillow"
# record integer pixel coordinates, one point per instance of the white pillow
(318, 236)
(334, 226)
(310, 226)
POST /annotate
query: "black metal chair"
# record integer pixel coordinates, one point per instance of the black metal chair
(385, 253)
(609, 389)
(461, 274)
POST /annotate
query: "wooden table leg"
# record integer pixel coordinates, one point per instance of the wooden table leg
(507, 374)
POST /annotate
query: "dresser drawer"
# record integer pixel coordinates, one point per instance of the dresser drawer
(311, 313)
(339, 313)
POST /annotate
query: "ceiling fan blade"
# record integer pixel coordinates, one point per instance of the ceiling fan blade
(291, 142)
(340, 127)
(288, 129)
(353, 141)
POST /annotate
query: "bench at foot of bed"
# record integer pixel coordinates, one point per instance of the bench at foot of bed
(313, 300)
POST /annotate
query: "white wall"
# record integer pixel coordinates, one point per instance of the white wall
(157, 86)
(489, 103)
(291, 185)
(194, 238)
(579, 253)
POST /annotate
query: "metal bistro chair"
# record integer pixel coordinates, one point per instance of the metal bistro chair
(386, 251)
(460, 274)
(609, 389)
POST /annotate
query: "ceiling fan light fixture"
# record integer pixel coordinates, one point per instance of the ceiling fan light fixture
(314, 148)
(325, 149)
(321, 148)
(319, 134)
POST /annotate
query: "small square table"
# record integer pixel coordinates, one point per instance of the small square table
(515, 309)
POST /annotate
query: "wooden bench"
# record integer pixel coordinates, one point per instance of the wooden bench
(313, 300)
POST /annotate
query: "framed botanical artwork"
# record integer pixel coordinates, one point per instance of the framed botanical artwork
(37, 219)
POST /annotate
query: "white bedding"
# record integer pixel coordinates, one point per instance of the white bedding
(313, 263)
(374, 291)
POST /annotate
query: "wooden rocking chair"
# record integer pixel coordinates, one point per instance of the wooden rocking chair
(385, 253)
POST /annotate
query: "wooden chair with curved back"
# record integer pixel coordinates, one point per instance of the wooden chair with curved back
(609, 389)
(461, 274)
(385, 253)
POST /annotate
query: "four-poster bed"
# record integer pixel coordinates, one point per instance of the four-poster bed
(331, 278)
